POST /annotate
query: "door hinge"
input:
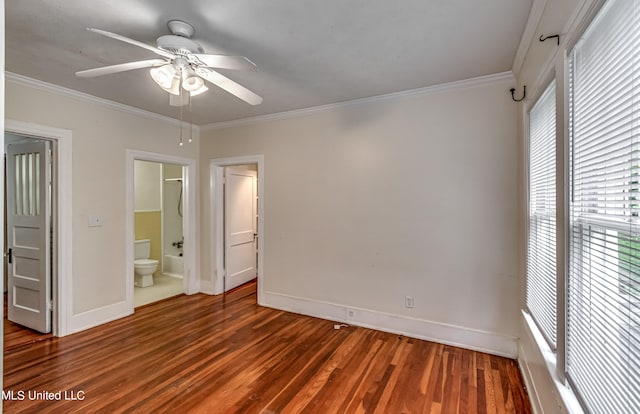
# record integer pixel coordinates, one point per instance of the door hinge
(9, 255)
(50, 305)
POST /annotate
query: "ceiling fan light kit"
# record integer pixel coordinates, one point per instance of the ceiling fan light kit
(185, 67)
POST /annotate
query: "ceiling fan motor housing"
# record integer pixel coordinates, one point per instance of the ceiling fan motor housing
(179, 42)
(178, 45)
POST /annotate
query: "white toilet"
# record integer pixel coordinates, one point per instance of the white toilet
(143, 266)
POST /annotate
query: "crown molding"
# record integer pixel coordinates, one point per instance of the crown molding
(59, 90)
(71, 93)
(462, 84)
(535, 14)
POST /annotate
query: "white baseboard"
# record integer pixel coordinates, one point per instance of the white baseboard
(95, 317)
(463, 337)
(206, 287)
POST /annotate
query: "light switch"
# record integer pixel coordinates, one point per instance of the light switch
(95, 221)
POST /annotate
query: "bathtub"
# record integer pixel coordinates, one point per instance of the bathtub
(173, 265)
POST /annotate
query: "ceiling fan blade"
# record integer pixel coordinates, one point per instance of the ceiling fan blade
(154, 49)
(222, 62)
(122, 67)
(230, 86)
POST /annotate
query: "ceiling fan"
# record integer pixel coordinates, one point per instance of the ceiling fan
(183, 67)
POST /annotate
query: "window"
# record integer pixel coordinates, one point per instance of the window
(603, 297)
(541, 247)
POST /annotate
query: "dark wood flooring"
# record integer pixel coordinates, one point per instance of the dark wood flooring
(225, 354)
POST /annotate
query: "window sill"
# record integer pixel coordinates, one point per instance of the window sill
(569, 399)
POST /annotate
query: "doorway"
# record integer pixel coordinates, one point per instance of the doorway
(180, 185)
(220, 235)
(158, 228)
(240, 225)
(54, 301)
(29, 234)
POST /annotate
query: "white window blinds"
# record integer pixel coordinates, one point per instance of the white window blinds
(603, 298)
(541, 250)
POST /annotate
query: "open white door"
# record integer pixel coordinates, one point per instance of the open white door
(28, 230)
(240, 226)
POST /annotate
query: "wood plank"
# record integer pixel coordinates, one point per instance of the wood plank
(225, 354)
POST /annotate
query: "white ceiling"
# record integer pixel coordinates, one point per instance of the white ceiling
(308, 52)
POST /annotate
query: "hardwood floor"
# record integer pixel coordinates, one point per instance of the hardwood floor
(16, 336)
(225, 354)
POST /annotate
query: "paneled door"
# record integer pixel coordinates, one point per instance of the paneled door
(240, 226)
(28, 234)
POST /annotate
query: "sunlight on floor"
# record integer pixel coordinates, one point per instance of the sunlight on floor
(163, 287)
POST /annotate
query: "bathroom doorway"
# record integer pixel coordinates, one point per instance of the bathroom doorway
(158, 231)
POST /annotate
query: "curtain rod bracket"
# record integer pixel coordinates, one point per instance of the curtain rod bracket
(524, 93)
(557, 37)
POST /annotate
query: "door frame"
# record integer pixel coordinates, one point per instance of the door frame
(61, 282)
(216, 188)
(190, 282)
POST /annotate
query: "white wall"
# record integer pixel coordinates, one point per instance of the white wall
(409, 196)
(101, 135)
(147, 184)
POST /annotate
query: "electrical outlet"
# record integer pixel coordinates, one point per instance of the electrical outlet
(350, 313)
(95, 221)
(408, 301)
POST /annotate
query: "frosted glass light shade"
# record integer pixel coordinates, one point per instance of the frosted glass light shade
(165, 77)
(200, 90)
(192, 83)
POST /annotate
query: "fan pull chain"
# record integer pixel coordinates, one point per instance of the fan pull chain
(190, 123)
(181, 92)
(181, 143)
